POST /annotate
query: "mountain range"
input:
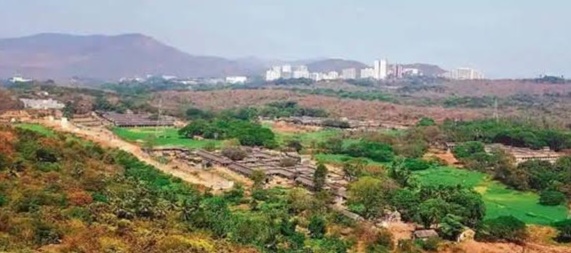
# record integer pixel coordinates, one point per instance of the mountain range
(102, 57)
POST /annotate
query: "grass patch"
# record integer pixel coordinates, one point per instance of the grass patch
(499, 199)
(37, 128)
(338, 159)
(165, 136)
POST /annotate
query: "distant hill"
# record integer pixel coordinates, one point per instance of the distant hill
(61, 56)
(426, 69)
(334, 65)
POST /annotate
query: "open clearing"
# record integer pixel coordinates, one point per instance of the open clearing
(164, 137)
(498, 198)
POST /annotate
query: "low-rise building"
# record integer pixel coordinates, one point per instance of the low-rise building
(236, 79)
(41, 104)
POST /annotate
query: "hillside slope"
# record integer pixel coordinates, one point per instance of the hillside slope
(334, 65)
(62, 56)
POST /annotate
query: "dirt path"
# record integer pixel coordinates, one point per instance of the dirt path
(106, 138)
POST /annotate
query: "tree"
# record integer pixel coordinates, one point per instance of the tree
(564, 230)
(503, 228)
(467, 149)
(299, 200)
(333, 146)
(402, 175)
(354, 168)
(432, 211)
(406, 202)
(258, 176)
(294, 144)
(552, 198)
(317, 227)
(319, 177)
(451, 227)
(368, 192)
(416, 164)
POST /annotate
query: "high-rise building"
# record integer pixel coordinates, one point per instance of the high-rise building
(381, 69)
(332, 75)
(349, 73)
(464, 74)
(368, 73)
(397, 71)
(301, 72)
(274, 74)
(315, 76)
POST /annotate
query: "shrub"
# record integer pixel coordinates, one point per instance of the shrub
(47, 234)
(564, 230)
(430, 244)
(234, 153)
(288, 162)
(416, 164)
(503, 228)
(552, 198)
(80, 198)
(317, 227)
(3, 200)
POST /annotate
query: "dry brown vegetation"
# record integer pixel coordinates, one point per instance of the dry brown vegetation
(350, 108)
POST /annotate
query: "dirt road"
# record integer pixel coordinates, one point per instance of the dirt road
(106, 138)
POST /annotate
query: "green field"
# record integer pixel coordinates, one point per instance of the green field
(164, 137)
(498, 198)
(37, 128)
(333, 158)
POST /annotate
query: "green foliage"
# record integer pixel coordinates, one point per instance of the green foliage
(248, 133)
(259, 177)
(354, 168)
(319, 177)
(406, 202)
(424, 122)
(503, 228)
(375, 151)
(432, 211)
(3, 200)
(552, 198)
(195, 113)
(451, 227)
(416, 164)
(370, 194)
(564, 230)
(361, 95)
(508, 132)
(317, 227)
(284, 109)
(430, 244)
(468, 149)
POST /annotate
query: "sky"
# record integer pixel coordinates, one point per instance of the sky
(502, 38)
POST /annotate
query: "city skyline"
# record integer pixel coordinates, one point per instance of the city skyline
(501, 39)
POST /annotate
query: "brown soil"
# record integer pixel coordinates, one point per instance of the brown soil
(178, 169)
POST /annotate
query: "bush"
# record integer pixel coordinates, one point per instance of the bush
(416, 164)
(564, 230)
(467, 149)
(3, 200)
(552, 198)
(503, 228)
(430, 244)
(317, 227)
(234, 153)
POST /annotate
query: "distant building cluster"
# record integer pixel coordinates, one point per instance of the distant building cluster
(41, 104)
(464, 74)
(380, 70)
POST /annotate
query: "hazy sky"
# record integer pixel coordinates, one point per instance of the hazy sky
(504, 38)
